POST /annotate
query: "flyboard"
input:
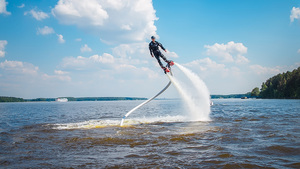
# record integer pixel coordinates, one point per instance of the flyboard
(147, 101)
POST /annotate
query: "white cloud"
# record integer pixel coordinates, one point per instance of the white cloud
(19, 67)
(105, 58)
(3, 43)
(3, 10)
(85, 48)
(113, 75)
(271, 71)
(56, 77)
(126, 27)
(131, 50)
(60, 72)
(24, 79)
(60, 38)
(228, 79)
(241, 59)
(206, 64)
(27, 71)
(45, 30)
(108, 75)
(80, 12)
(115, 21)
(260, 70)
(21, 6)
(134, 54)
(295, 14)
(298, 51)
(220, 78)
(230, 52)
(117, 65)
(206, 67)
(84, 63)
(38, 15)
(172, 54)
(78, 39)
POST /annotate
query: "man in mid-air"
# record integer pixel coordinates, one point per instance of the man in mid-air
(154, 51)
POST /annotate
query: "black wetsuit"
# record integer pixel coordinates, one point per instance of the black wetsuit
(154, 48)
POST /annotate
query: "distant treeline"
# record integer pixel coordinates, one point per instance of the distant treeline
(14, 99)
(231, 96)
(103, 98)
(282, 86)
(10, 99)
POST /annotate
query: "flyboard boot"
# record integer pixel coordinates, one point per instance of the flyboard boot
(170, 63)
(166, 70)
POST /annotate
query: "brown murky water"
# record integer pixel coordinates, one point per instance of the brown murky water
(242, 134)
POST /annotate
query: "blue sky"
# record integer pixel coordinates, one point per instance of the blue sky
(99, 47)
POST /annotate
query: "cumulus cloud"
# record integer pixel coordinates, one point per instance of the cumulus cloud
(60, 38)
(60, 72)
(270, 71)
(112, 74)
(45, 30)
(230, 52)
(295, 14)
(85, 48)
(172, 54)
(21, 6)
(298, 51)
(227, 78)
(3, 43)
(56, 77)
(18, 67)
(206, 67)
(134, 54)
(131, 50)
(117, 66)
(205, 64)
(105, 58)
(38, 15)
(221, 78)
(115, 21)
(82, 63)
(258, 69)
(241, 59)
(3, 10)
(24, 79)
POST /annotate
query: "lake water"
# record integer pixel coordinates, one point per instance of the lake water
(241, 134)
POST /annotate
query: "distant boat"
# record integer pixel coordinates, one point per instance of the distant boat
(244, 97)
(61, 100)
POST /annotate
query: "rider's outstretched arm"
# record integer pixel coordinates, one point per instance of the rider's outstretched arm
(159, 44)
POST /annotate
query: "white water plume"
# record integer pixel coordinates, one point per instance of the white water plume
(194, 93)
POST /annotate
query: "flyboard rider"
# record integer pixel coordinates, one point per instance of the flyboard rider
(154, 51)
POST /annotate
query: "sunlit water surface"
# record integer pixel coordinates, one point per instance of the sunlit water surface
(241, 134)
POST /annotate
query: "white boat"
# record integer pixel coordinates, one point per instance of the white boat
(61, 100)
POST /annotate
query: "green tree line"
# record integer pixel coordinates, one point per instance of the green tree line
(15, 99)
(282, 86)
(10, 99)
